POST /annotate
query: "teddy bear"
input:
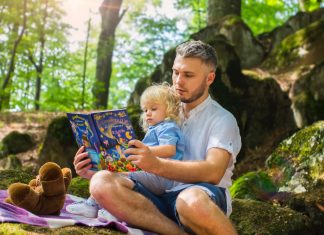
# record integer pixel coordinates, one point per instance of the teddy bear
(44, 195)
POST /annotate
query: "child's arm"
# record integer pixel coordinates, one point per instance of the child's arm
(164, 151)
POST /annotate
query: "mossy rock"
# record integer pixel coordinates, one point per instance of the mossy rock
(311, 203)
(16, 142)
(252, 217)
(59, 145)
(290, 51)
(298, 162)
(79, 187)
(253, 185)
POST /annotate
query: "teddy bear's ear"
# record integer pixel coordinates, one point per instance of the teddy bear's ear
(67, 175)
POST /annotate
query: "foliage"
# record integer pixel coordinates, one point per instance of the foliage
(145, 33)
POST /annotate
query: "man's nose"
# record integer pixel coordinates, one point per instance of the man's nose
(178, 79)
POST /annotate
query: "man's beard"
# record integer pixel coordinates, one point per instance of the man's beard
(196, 95)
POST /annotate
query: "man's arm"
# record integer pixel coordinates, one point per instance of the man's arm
(164, 151)
(210, 170)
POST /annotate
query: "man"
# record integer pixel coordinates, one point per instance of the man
(200, 204)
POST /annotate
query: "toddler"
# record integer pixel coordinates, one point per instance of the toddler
(160, 105)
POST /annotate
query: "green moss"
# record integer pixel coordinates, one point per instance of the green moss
(287, 52)
(303, 152)
(24, 229)
(8, 177)
(230, 20)
(16, 142)
(253, 185)
(253, 217)
(79, 187)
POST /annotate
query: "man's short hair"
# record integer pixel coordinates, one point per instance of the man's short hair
(198, 49)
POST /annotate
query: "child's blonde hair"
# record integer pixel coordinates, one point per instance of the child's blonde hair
(161, 94)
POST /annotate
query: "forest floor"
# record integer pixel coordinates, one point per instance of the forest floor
(33, 123)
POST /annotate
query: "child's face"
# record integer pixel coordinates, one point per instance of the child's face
(154, 113)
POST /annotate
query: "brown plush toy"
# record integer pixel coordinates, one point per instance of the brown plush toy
(44, 195)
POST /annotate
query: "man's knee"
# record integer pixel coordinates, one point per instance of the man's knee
(193, 203)
(100, 182)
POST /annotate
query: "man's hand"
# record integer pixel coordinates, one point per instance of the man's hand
(142, 156)
(82, 164)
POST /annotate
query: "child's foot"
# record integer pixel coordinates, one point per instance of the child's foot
(105, 215)
(87, 208)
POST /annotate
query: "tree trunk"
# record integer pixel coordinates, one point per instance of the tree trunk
(85, 64)
(40, 65)
(110, 18)
(5, 95)
(220, 8)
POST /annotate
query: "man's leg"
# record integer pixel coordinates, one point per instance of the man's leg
(198, 212)
(115, 194)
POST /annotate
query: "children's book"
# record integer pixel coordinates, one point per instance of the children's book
(105, 135)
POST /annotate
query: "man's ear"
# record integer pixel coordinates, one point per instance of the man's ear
(211, 77)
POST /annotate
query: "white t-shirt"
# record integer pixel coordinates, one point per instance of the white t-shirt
(209, 125)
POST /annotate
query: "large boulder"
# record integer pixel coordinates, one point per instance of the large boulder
(16, 142)
(59, 145)
(297, 164)
(246, 46)
(270, 40)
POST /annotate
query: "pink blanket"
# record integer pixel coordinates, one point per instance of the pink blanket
(10, 213)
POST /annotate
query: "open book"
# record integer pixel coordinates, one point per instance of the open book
(105, 135)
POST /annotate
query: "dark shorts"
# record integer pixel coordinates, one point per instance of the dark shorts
(166, 202)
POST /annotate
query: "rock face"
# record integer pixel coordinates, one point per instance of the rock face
(294, 178)
(298, 162)
(59, 145)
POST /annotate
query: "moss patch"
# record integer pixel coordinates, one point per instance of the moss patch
(23, 229)
(292, 48)
(8, 177)
(79, 187)
(301, 155)
(253, 217)
(253, 185)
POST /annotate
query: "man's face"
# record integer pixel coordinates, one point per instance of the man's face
(191, 78)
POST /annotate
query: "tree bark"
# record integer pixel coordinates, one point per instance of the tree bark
(40, 65)
(85, 64)
(217, 9)
(110, 19)
(4, 95)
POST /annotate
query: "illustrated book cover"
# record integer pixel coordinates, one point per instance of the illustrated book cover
(105, 135)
